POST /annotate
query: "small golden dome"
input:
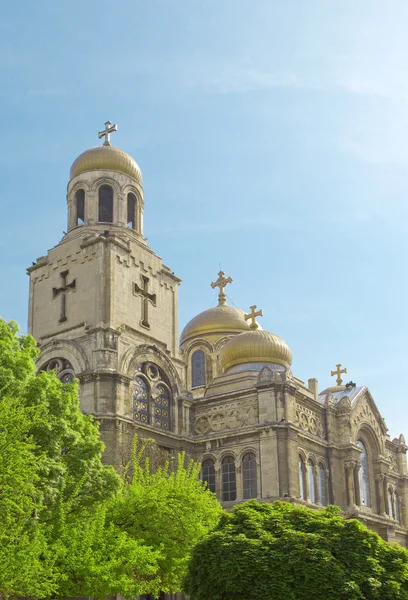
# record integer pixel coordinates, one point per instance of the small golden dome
(255, 346)
(106, 157)
(221, 320)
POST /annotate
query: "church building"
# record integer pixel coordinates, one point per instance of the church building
(103, 308)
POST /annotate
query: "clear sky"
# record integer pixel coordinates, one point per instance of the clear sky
(273, 140)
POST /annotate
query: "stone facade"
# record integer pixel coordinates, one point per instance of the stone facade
(103, 308)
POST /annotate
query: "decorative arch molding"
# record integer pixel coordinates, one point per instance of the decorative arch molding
(208, 456)
(67, 349)
(312, 458)
(146, 353)
(198, 344)
(106, 180)
(81, 184)
(132, 188)
(224, 454)
(302, 454)
(222, 341)
(248, 450)
(370, 438)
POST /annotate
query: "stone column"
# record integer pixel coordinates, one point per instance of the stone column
(350, 466)
(387, 507)
(218, 482)
(357, 484)
(379, 478)
(238, 477)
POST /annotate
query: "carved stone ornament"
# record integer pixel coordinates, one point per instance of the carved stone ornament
(223, 418)
(309, 421)
(265, 374)
(364, 414)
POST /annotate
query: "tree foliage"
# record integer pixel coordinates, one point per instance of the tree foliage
(166, 508)
(70, 526)
(278, 550)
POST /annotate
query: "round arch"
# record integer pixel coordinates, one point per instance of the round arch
(66, 349)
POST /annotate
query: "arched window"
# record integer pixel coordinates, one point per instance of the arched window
(63, 369)
(249, 476)
(390, 503)
(105, 214)
(364, 476)
(79, 207)
(311, 481)
(302, 479)
(208, 474)
(151, 396)
(322, 486)
(198, 369)
(397, 509)
(131, 211)
(229, 483)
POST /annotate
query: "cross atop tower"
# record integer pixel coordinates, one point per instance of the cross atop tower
(106, 132)
(252, 315)
(221, 283)
(338, 372)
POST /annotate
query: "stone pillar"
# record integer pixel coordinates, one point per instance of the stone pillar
(313, 386)
(387, 507)
(350, 466)
(379, 478)
(238, 476)
(218, 482)
(357, 484)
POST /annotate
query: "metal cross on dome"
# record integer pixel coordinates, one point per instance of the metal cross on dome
(252, 315)
(338, 372)
(221, 283)
(109, 128)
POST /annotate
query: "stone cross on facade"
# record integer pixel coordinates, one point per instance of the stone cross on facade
(338, 372)
(109, 128)
(252, 315)
(221, 283)
(146, 298)
(62, 291)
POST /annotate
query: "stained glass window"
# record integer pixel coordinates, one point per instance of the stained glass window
(63, 369)
(229, 482)
(141, 400)
(364, 476)
(322, 486)
(208, 474)
(151, 396)
(302, 492)
(198, 368)
(311, 481)
(249, 476)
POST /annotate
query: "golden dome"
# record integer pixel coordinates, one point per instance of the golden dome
(221, 319)
(255, 346)
(106, 157)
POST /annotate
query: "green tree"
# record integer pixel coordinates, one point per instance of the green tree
(167, 509)
(70, 526)
(278, 550)
(23, 544)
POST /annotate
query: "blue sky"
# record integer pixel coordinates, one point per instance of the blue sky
(273, 140)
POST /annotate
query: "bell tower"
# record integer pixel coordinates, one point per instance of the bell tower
(101, 301)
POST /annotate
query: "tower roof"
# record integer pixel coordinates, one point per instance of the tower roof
(109, 158)
(255, 346)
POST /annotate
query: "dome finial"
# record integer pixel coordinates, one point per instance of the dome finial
(221, 283)
(106, 132)
(338, 372)
(252, 315)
